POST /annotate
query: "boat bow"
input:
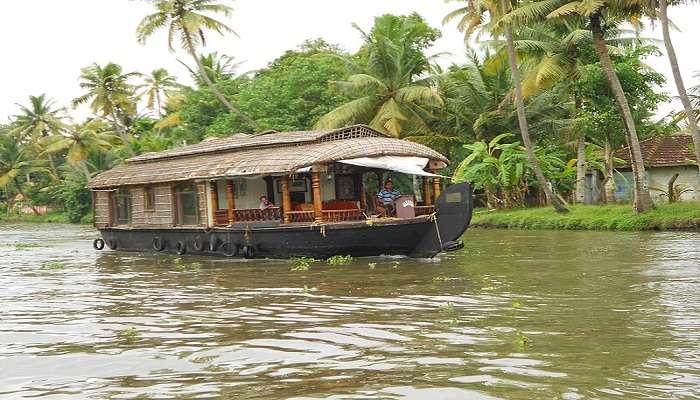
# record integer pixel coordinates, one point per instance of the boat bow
(452, 216)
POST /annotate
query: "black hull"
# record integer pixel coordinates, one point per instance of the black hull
(417, 237)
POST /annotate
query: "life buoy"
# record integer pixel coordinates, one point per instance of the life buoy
(248, 251)
(98, 244)
(229, 249)
(198, 243)
(158, 243)
(180, 248)
(112, 244)
(213, 243)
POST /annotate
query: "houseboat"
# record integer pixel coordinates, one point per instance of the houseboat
(279, 195)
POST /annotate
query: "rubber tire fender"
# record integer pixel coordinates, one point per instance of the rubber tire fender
(180, 248)
(198, 243)
(98, 244)
(111, 243)
(158, 243)
(453, 245)
(229, 249)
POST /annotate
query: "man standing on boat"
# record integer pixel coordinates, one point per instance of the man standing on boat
(385, 199)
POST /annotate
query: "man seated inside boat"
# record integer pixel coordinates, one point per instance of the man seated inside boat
(385, 199)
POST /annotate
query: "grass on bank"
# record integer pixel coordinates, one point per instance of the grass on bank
(680, 216)
(57, 217)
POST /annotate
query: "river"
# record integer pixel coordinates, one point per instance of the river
(515, 315)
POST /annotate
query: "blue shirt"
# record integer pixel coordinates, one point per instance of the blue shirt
(388, 197)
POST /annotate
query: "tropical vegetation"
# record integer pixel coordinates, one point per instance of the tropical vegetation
(549, 90)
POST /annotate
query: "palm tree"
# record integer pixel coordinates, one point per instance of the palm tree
(553, 54)
(186, 19)
(682, 93)
(17, 160)
(599, 14)
(39, 120)
(472, 16)
(387, 94)
(217, 66)
(109, 94)
(79, 140)
(157, 87)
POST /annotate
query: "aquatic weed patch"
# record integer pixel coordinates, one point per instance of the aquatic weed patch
(25, 246)
(339, 260)
(302, 263)
(52, 265)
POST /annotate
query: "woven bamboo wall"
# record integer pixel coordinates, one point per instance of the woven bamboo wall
(102, 213)
(159, 217)
(202, 202)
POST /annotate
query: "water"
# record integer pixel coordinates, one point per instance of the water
(516, 314)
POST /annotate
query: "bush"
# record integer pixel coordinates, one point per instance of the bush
(76, 199)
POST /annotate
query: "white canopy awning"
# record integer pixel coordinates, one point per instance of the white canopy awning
(404, 164)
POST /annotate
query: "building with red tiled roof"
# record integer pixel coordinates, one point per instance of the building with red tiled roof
(662, 151)
(664, 157)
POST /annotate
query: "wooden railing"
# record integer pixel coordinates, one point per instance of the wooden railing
(424, 210)
(300, 216)
(248, 215)
(343, 215)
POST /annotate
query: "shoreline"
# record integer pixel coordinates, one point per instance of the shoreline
(683, 216)
(49, 218)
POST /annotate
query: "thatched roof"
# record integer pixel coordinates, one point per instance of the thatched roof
(266, 154)
(662, 151)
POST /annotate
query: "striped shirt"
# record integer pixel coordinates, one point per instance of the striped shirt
(388, 197)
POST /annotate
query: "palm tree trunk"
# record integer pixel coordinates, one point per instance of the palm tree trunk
(609, 182)
(86, 171)
(160, 106)
(10, 201)
(580, 156)
(522, 120)
(642, 198)
(123, 134)
(689, 112)
(214, 89)
(54, 171)
(581, 169)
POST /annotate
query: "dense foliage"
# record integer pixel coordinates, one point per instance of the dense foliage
(391, 83)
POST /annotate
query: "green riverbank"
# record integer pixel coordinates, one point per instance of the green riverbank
(677, 216)
(53, 217)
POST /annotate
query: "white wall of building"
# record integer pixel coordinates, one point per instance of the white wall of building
(658, 178)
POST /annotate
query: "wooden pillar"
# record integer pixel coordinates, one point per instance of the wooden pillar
(214, 199)
(436, 188)
(427, 200)
(363, 198)
(316, 190)
(286, 199)
(230, 202)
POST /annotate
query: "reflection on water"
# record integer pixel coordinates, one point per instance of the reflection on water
(516, 314)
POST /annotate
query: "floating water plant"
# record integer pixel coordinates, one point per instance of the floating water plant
(447, 308)
(129, 334)
(339, 260)
(302, 263)
(26, 246)
(521, 341)
(52, 265)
